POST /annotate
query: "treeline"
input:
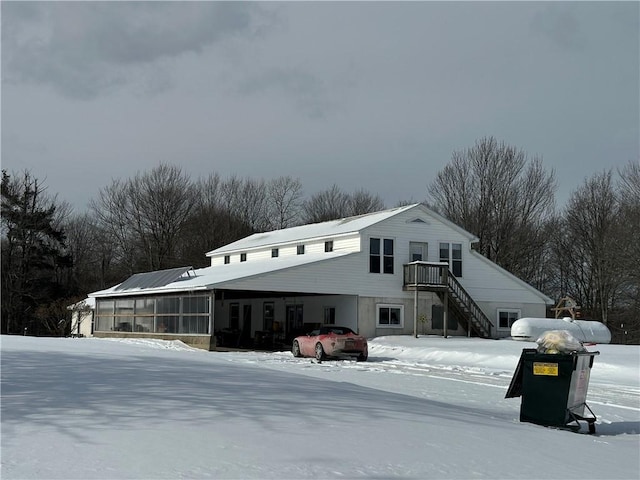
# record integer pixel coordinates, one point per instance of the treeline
(52, 257)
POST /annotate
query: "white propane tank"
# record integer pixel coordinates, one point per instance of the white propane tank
(587, 331)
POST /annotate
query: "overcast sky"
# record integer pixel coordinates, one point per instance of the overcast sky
(372, 95)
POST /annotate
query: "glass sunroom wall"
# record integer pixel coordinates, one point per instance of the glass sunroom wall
(104, 315)
(188, 314)
(167, 324)
(124, 314)
(195, 314)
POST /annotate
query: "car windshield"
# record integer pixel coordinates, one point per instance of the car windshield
(335, 330)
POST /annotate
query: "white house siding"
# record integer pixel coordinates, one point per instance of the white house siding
(343, 243)
(331, 276)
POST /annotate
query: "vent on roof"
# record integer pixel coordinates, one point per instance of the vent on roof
(418, 220)
(159, 278)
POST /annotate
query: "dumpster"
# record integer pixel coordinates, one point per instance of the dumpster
(553, 387)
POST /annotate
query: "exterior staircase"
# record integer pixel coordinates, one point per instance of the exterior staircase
(436, 277)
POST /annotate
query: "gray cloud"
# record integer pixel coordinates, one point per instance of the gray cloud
(561, 26)
(308, 91)
(373, 95)
(83, 49)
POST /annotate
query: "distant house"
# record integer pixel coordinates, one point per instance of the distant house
(399, 271)
(82, 317)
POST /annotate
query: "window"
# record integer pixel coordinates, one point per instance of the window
(390, 316)
(227, 259)
(506, 318)
(195, 305)
(166, 305)
(384, 258)
(104, 315)
(144, 306)
(328, 246)
(329, 315)
(452, 254)
(234, 316)
(374, 255)
(388, 255)
(243, 257)
(275, 252)
(300, 250)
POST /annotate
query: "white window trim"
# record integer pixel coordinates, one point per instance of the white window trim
(507, 310)
(389, 305)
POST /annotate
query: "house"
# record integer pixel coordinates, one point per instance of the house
(405, 270)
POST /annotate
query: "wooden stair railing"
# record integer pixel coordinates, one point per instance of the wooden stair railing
(431, 277)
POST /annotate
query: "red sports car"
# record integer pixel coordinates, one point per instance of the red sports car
(331, 341)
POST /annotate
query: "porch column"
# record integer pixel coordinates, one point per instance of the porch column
(445, 313)
(415, 304)
(212, 307)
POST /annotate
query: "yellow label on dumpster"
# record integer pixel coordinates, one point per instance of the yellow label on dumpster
(549, 369)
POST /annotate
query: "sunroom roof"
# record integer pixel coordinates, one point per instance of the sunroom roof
(218, 276)
(159, 278)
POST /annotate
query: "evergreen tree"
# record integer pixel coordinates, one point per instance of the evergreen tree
(34, 262)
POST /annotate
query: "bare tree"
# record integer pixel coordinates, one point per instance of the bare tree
(494, 192)
(212, 223)
(285, 202)
(145, 216)
(590, 247)
(629, 188)
(626, 310)
(111, 213)
(361, 202)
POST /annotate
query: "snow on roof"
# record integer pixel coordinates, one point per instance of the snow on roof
(331, 228)
(216, 277)
(86, 303)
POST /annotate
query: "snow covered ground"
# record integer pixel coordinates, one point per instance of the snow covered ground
(419, 408)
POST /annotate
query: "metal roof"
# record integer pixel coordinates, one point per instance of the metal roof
(331, 228)
(155, 279)
(223, 276)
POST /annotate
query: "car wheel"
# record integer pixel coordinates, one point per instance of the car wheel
(363, 357)
(319, 352)
(295, 349)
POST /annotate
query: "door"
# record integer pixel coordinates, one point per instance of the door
(418, 251)
(294, 325)
(245, 334)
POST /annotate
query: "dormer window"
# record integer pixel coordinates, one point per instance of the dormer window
(300, 250)
(243, 257)
(328, 246)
